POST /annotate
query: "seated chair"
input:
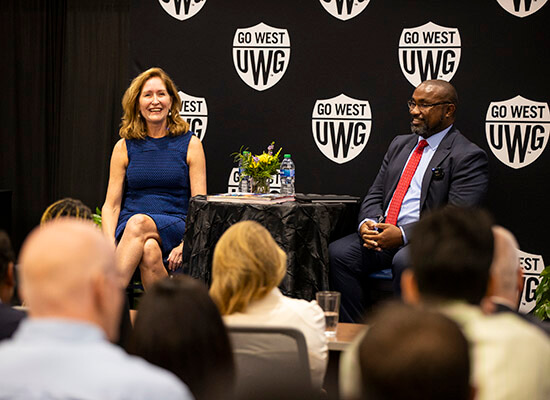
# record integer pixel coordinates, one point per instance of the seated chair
(269, 359)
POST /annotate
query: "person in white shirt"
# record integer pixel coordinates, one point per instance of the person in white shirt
(70, 284)
(451, 273)
(247, 267)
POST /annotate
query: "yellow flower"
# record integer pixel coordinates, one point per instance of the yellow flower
(265, 158)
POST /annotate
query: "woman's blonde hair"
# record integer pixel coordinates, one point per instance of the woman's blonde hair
(133, 125)
(247, 265)
(66, 207)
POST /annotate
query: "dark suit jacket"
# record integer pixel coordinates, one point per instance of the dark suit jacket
(462, 176)
(9, 320)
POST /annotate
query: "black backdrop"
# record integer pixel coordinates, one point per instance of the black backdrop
(67, 63)
(501, 56)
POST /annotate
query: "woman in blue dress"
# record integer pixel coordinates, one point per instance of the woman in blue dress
(155, 168)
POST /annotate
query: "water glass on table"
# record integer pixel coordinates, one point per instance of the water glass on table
(329, 301)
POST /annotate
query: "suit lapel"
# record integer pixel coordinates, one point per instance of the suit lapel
(398, 164)
(441, 154)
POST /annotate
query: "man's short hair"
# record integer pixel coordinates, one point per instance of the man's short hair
(411, 353)
(451, 254)
(6, 254)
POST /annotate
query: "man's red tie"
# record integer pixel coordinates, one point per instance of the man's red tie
(404, 183)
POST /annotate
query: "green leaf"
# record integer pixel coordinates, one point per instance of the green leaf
(542, 295)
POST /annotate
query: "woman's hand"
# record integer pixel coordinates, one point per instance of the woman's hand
(175, 258)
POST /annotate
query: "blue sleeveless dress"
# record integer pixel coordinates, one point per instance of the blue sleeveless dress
(157, 184)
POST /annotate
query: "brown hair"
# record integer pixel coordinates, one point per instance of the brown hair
(414, 354)
(133, 125)
(247, 265)
(179, 328)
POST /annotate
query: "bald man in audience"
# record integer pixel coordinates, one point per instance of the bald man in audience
(9, 317)
(451, 273)
(70, 283)
(506, 282)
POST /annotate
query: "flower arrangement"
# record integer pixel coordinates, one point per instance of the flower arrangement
(260, 167)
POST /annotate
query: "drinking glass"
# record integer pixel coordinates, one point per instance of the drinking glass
(329, 301)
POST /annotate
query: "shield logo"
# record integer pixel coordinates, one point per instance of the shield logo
(344, 9)
(261, 55)
(195, 111)
(517, 130)
(522, 8)
(429, 51)
(341, 127)
(532, 265)
(182, 9)
(233, 182)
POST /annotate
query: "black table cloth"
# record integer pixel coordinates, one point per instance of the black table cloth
(303, 229)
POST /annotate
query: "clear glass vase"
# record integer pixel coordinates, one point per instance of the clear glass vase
(259, 185)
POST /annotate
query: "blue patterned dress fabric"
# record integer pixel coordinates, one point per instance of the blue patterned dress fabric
(157, 184)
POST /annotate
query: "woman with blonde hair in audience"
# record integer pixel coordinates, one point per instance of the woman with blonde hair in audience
(247, 267)
(179, 328)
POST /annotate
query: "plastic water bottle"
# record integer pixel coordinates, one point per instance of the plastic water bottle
(287, 174)
(244, 182)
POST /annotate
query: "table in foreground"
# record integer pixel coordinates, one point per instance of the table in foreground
(302, 229)
(345, 333)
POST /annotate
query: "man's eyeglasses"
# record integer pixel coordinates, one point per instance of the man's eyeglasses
(422, 107)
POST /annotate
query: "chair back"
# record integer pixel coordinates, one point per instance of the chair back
(268, 358)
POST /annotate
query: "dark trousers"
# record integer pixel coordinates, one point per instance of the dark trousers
(350, 265)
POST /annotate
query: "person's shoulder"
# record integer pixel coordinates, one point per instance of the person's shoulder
(120, 145)
(510, 327)
(307, 311)
(9, 320)
(146, 378)
(403, 139)
(459, 139)
(10, 313)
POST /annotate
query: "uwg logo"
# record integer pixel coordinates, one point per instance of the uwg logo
(522, 8)
(195, 112)
(532, 265)
(429, 51)
(182, 9)
(517, 130)
(233, 182)
(341, 127)
(345, 9)
(261, 55)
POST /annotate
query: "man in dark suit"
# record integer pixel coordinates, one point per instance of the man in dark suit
(506, 282)
(433, 166)
(9, 318)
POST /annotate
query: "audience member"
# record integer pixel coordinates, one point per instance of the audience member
(9, 317)
(179, 328)
(450, 271)
(507, 279)
(414, 354)
(247, 267)
(66, 207)
(71, 286)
